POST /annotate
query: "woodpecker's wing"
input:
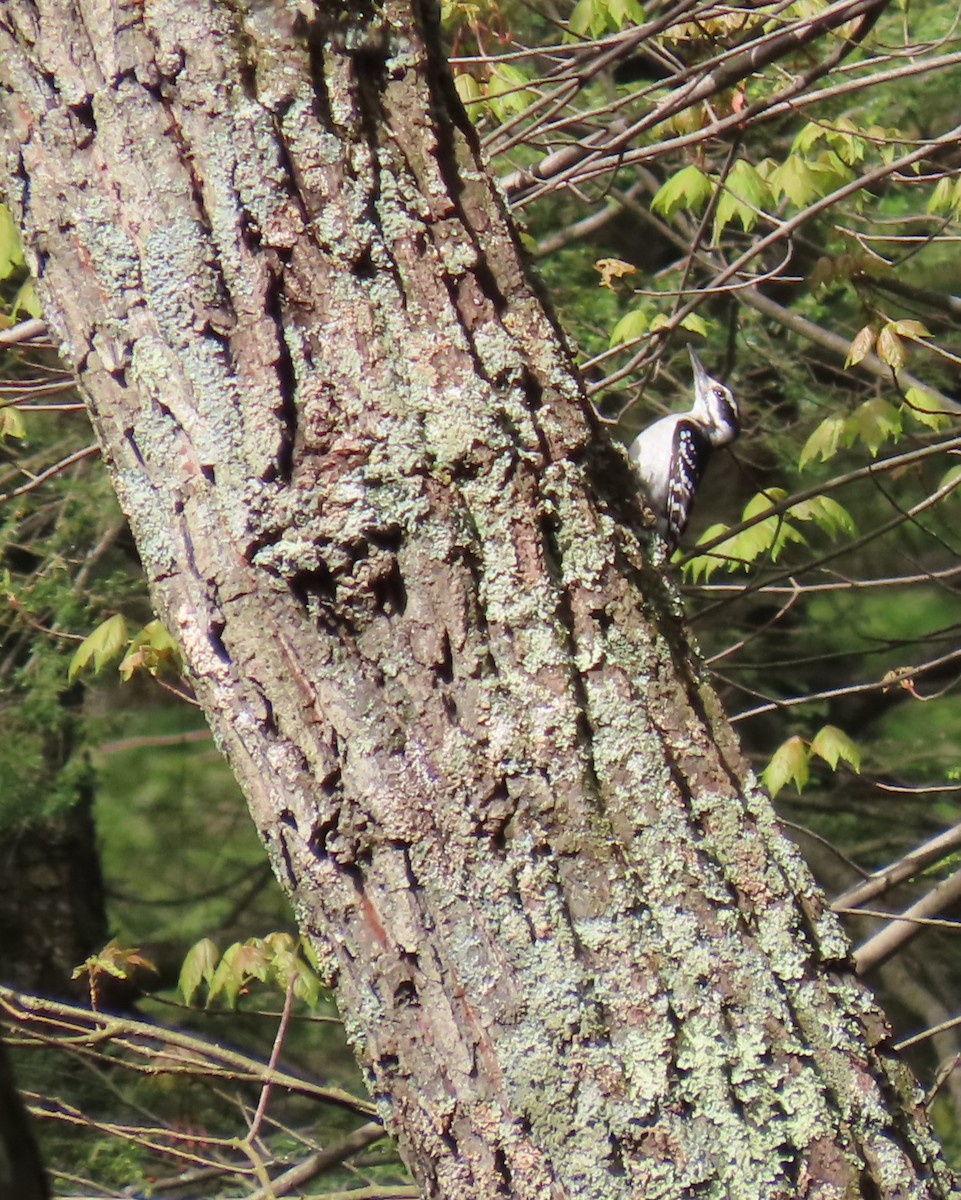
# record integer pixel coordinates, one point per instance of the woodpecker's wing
(690, 451)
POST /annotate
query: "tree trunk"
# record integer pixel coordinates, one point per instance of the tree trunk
(573, 952)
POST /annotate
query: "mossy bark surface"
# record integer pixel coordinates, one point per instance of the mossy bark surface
(574, 953)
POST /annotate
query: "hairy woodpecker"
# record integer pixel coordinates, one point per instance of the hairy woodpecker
(670, 454)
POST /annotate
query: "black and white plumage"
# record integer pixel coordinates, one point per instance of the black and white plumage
(670, 455)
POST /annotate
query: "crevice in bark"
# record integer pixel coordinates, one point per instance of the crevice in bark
(283, 468)
(215, 636)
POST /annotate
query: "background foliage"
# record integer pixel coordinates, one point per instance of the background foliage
(778, 185)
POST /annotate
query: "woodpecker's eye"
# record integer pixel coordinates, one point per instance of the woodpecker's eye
(720, 393)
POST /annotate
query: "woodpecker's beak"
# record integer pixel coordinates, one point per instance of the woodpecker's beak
(701, 377)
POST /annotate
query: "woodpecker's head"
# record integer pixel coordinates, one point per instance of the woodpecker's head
(714, 406)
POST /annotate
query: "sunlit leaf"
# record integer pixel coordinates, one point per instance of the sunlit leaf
(797, 180)
(468, 88)
(762, 501)
(689, 189)
(860, 346)
(927, 408)
(704, 565)
(826, 513)
(890, 348)
(152, 649)
(874, 422)
(508, 91)
(823, 442)
(910, 328)
(789, 764)
(11, 255)
(11, 422)
(630, 326)
(613, 268)
(104, 643)
(198, 967)
(26, 301)
(695, 323)
(833, 744)
(744, 193)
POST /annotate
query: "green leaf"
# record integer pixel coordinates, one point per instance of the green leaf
(629, 327)
(468, 88)
(508, 90)
(926, 408)
(11, 422)
(767, 536)
(26, 300)
(695, 324)
(689, 189)
(762, 501)
(11, 255)
(198, 967)
(151, 649)
(796, 180)
(704, 565)
(744, 193)
(826, 513)
(941, 198)
(809, 134)
(833, 744)
(580, 19)
(846, 138)
(240, 963)
(951, 476)
(104, 643)
(823, 442)
(874, 422)
(790, 763)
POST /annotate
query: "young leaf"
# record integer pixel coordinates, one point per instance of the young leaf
(789, 764)
(704, 565)
(762, 501)
(926, 408)
(823, 442)
(941, 198)
(198, 967)
(689, 189)
(796, 180)
(104, 643)
(826, 513)
(833, 744)
(11, 256)
(468, 89)
(744, 193)
(874, 422)
(508, 91)
(11, 422)
(910, 328)
(26, 301)
(863, 341)
(890, 348)
(630, 326)
(153, 650)
(695, 323)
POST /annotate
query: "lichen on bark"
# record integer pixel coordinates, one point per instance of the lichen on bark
(575, 954)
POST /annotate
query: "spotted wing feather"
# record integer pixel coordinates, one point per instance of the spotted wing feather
(689, 454)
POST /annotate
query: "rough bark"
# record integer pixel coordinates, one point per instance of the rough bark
(574, 953)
